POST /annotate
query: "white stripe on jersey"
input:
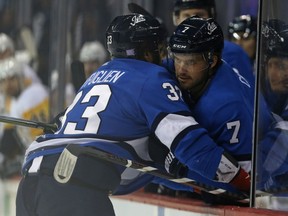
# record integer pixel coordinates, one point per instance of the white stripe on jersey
(139, 145)
(61, 141)
(170, 126)
(283, 125)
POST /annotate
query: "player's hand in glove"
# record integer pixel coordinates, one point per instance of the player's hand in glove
(175, 167)
(230, 172)
(241, 181)
(57, 122)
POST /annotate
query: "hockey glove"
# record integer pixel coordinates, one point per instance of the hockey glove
(241, 181)
(160, 154)
(56, 121)
(229, 171)
(174, 166)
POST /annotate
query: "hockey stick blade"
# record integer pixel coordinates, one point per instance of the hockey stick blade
(74, 150)
(27, 123)
(135, 8)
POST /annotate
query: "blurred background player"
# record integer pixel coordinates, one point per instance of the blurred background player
(92, 54)
(274, 86)
(23, 100)
(242, 30)
(274, 83)
(7, 50)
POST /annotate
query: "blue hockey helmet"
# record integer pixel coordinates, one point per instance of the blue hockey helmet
(275, 38)
(130, 35)
(197, 35)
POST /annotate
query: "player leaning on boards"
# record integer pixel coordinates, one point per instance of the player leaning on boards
(221, 100)
(120, 105)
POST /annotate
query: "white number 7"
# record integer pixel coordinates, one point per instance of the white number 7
(236, 126)
(185, 29)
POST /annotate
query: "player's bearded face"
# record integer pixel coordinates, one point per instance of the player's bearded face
(278, 74)
(191, 71)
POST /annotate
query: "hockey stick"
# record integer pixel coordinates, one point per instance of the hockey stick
(73, 151)
(27, 123)
(135, 8)
(68, 159)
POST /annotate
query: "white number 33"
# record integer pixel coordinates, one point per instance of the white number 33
(174, 91)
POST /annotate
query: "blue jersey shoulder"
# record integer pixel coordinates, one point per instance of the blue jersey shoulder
(235, 56)
(226, 110)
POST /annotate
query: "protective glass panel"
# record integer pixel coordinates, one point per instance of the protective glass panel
(271, 116)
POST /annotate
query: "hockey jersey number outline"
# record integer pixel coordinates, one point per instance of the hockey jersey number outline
(93, 121)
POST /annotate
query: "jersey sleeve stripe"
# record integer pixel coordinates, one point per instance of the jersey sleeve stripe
(171, 126)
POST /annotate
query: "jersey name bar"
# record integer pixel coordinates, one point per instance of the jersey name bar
(104, 76)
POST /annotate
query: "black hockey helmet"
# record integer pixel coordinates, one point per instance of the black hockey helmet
(135, 8)
(197, 35)
(130, 35)
(244, 23)
(275, 38)
(208, 5)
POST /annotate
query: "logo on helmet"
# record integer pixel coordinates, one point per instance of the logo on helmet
(179, 46)
(109, 39)
(265, 31)
(137, 19)
(211, 28)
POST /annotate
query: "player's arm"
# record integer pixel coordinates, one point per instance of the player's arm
(228, 171)
(173, 124)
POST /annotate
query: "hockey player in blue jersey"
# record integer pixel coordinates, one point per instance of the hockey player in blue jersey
(233, 54)
(275, 71)
(120, 105)
(221, 100)
(242, 30)
(274, 79)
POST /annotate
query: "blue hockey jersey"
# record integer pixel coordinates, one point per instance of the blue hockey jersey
(116, 110)
(226, 110)
(238, 59)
